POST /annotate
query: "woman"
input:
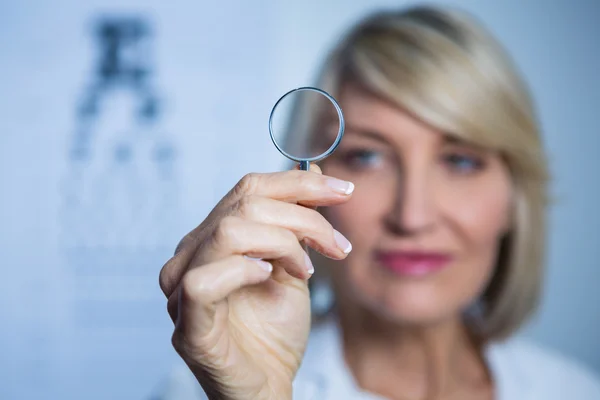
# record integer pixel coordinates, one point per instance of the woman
(437, 194)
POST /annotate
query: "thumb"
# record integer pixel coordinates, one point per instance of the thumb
(313, 168)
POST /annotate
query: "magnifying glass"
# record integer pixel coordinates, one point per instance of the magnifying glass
(306, 125)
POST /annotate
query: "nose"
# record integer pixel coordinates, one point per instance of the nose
(414, 210)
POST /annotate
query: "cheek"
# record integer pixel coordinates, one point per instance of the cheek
(479, 214)
(475, 219)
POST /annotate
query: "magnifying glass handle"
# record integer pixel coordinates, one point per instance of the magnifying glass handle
(304, 165)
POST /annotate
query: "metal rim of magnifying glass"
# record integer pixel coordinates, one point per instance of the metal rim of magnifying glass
(304, 162)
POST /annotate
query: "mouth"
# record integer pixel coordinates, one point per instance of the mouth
(413, 263)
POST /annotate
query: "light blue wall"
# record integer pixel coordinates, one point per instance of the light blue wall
(81, 244)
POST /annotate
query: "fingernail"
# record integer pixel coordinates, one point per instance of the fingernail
(309, 265)
(343, 243)
(267, 266)
(340, 186)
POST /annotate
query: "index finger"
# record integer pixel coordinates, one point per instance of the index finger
(308, 188)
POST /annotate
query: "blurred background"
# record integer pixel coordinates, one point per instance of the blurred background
(123, 122)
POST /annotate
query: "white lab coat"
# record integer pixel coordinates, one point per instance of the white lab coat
(521, 371)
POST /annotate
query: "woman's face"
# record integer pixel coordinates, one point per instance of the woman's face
(426, 216)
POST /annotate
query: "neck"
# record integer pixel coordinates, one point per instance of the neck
(410, 362)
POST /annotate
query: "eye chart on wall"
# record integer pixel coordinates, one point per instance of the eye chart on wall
(136, 120)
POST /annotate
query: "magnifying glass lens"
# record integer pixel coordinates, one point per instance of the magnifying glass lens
(305, 124)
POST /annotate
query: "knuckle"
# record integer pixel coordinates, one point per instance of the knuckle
(194, 286)
(175, 342)
(180, 345)
(289, 238)
(165, 280)
(172, 270)
(225, 230)
(246, 206)
(247, 185)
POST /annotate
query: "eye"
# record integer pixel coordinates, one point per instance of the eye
(463, 163)
(362, 158)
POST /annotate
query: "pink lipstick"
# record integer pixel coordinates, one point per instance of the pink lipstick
(413, 263)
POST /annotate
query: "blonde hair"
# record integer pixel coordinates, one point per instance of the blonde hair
(444, 68)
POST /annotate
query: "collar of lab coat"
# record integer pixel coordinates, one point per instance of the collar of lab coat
(324, 375)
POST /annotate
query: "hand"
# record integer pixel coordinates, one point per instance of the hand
(237, 285)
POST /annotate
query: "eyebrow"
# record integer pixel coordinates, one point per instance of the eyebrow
(447, 138)
(453, 139)
(458, 141)
(366, 133)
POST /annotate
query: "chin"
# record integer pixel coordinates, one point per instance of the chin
(417, 304)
